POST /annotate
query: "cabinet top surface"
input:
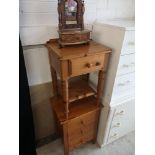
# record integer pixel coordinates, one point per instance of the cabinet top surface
(77, 109)
(77, 50)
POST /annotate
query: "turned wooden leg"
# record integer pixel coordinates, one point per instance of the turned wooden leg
(96, 128)
(66, 96)
(54, 76)
(100, 85)
(65, 138)
(54, 81)
(56, 124)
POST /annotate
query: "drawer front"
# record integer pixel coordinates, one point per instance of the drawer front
(124, 110)
(74, 133)
(82, 129)
(123, 120)
(87, 64)
(129, 43)
(89, 126)
(126, 64)
(124, 83)
(73, 38)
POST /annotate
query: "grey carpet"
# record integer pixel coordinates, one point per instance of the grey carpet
(122, 146)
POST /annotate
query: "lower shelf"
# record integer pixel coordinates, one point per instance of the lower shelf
(78, 89)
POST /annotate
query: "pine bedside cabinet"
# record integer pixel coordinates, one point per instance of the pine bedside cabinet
(76, 104)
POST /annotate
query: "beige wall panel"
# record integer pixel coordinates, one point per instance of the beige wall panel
(42, 112)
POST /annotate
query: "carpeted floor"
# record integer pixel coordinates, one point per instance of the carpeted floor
(123, 146)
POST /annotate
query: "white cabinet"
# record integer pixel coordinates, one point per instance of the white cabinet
(115, 122)
(129, 42)
(122, 121)
(126, 64)
(117, 116)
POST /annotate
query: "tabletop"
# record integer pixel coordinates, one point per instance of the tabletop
(76, 51)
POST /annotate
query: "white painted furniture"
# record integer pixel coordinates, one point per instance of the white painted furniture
(117, 115)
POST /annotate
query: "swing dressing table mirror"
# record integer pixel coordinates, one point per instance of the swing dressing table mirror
(71, 26)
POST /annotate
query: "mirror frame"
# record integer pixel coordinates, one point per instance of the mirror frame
(62, 16)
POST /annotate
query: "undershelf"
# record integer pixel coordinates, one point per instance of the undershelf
(78, 89)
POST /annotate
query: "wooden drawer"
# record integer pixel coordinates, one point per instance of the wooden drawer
(87, 64)
(73, 38)
(126, 64)
(75, 137)
(82, 129)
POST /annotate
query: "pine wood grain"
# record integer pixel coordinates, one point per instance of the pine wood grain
(77, 89)
(79, 50)
(78, 108)
(68, 63)
(81, 124)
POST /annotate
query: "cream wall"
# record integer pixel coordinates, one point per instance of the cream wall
(38, 23)
(115, 9)
(37, 65)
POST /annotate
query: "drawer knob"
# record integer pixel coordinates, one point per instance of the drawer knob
(82, 122)
(114, 135)
(89, 65)
(81, 140)
(125, 66)
(78, 97)
(117, 125)
(121, 84)
(98, 63)
(120, 113)
(131, 43)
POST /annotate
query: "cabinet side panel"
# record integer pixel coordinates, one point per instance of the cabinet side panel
(104, 125)
(113, 38)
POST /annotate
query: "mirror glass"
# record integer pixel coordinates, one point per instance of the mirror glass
(71, 11)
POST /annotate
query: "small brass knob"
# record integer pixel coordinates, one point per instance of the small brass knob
(82, 122)
(78, 97)
(89, 65)
(98, 63)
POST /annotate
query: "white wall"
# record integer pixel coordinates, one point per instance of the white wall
(38, 23)
(39, 19)
(37, 65)
(115, 9)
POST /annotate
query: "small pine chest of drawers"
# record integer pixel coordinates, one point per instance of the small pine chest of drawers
(81, 125)
(76, 105)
